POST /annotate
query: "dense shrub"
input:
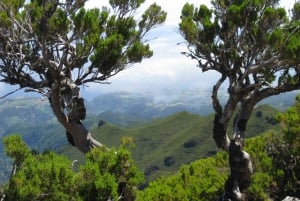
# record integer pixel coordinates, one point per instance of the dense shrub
(201, 180)
(107, 174)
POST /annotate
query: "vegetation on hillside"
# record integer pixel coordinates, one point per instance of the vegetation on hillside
(163, 145)
(111, 174)
(204, 179)
(49, 176)
(275, 157)
(187, 143)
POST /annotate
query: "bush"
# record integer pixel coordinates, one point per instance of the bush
(201, 180)
(285, 151)
(107, 174)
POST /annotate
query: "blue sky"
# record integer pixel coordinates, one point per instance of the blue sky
(168, 70)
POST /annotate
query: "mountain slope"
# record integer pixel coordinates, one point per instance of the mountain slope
(164, 144)
(161, 144)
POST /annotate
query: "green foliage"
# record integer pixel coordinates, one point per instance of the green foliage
(105, 171)
(151, 17)
(49, 176)
(14, 5)
(292, 48)
(186, 24)
(296, 11)
(183, 137)
(58, 23)
(125, 6)
(52, 178)
(257, 19)
(201, 180)
(285, 151)
(4, 19)
(46, 176)
(262, 178)
(204, 178)
(16, 148)
(276, 38)
(258, 189)
(107, 39)
(290, 122)
(136, 52)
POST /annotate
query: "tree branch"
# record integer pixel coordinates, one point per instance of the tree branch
(10, 93)
(215, 100)
(219, 134)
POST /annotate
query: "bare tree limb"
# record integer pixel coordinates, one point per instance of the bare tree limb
(10, 93)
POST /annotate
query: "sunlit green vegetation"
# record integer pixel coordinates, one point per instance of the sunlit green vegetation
(103, 175)
(107, 174)
(163, 145)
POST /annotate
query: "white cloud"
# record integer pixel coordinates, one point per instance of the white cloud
(167, 69)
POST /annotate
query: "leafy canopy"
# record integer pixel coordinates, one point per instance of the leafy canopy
(254, 45)
(41, 40)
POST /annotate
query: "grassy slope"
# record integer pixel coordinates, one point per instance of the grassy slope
(163, 145)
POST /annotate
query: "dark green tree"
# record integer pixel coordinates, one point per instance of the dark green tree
(53, 47)
(254, 47)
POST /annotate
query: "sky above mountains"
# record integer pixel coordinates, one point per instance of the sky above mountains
(168, 70)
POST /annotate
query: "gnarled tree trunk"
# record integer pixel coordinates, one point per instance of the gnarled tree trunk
(240, 163)
(80, 136)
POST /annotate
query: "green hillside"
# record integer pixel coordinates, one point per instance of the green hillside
(169, 150)
(163, 145)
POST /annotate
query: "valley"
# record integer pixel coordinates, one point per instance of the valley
(166, 135)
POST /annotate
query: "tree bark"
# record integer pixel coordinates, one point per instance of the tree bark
(82, 138)
(240, 163)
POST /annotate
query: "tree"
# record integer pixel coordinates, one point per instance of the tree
(53, 47)
(254, 47)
